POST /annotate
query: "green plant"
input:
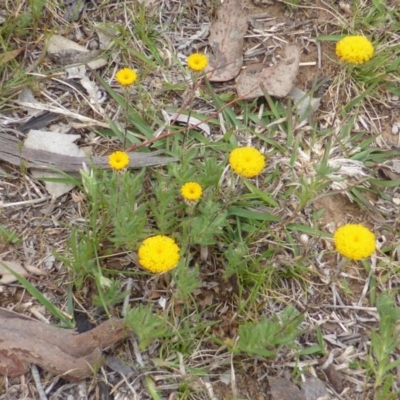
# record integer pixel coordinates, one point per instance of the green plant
(384, 341)
(266, 337)
(146, 325)
(7, 236)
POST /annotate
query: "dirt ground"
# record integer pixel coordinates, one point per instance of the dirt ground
(42, 225)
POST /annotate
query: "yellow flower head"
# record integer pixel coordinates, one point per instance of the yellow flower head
(354, 241)
(118, 160)
(197, 62)
(354, 49)
(191, 191)
(126, 77)
(247, 161)
(158, 254)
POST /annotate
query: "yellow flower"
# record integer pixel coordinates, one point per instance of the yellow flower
(126, 77)
(197, 62)
(158, 254)
(191, 191)
(247, 161)
(118, 160)
(354, 241)
(354, 49)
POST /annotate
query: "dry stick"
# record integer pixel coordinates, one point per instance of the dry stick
(38, 382)
(129, 286)
(61, 351)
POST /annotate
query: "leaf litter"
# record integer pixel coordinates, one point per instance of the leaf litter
(235, 58)
(7, 277)
(226, 41)
(277, 80)
(60, 351)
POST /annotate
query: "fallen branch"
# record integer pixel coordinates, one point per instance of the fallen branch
(63, 352)
(13, 152)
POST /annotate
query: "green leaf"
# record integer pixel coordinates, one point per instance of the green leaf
(264, 196)
(309, 230)
(311, 350)
(146, 325)
(249, 214)
(227, 112)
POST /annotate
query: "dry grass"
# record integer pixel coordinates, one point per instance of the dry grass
(337, 167)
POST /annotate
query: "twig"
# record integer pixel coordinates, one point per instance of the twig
(23, 203)
(138, 355)
(38, 382)
(318, 44)
(129, 286)
(350, 307)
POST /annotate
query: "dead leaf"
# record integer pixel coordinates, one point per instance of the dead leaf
(346, 8)
(57, 143)
(305, 104)
(60, 351)
(188, 119)
(334, 376)
(26, 96)
(9, 55)
(117, 365)
(63, 111)
(6, 276)
(391, 169)
(226, 40)
(277, 80)
(66, 52)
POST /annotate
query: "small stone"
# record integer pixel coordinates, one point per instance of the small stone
(396, 201)
(304, 239)
(283, 389)
(93, 45)
(395, 129)
(314, 389)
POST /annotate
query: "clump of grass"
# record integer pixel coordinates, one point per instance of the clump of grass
(235, 218)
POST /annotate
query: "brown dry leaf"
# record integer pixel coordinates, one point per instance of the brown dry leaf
(391, 169)
(7, 277)
(66, 52)
(9, 55)
(334, 376)
(277, 80)
(226, 40)
(59, 351)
